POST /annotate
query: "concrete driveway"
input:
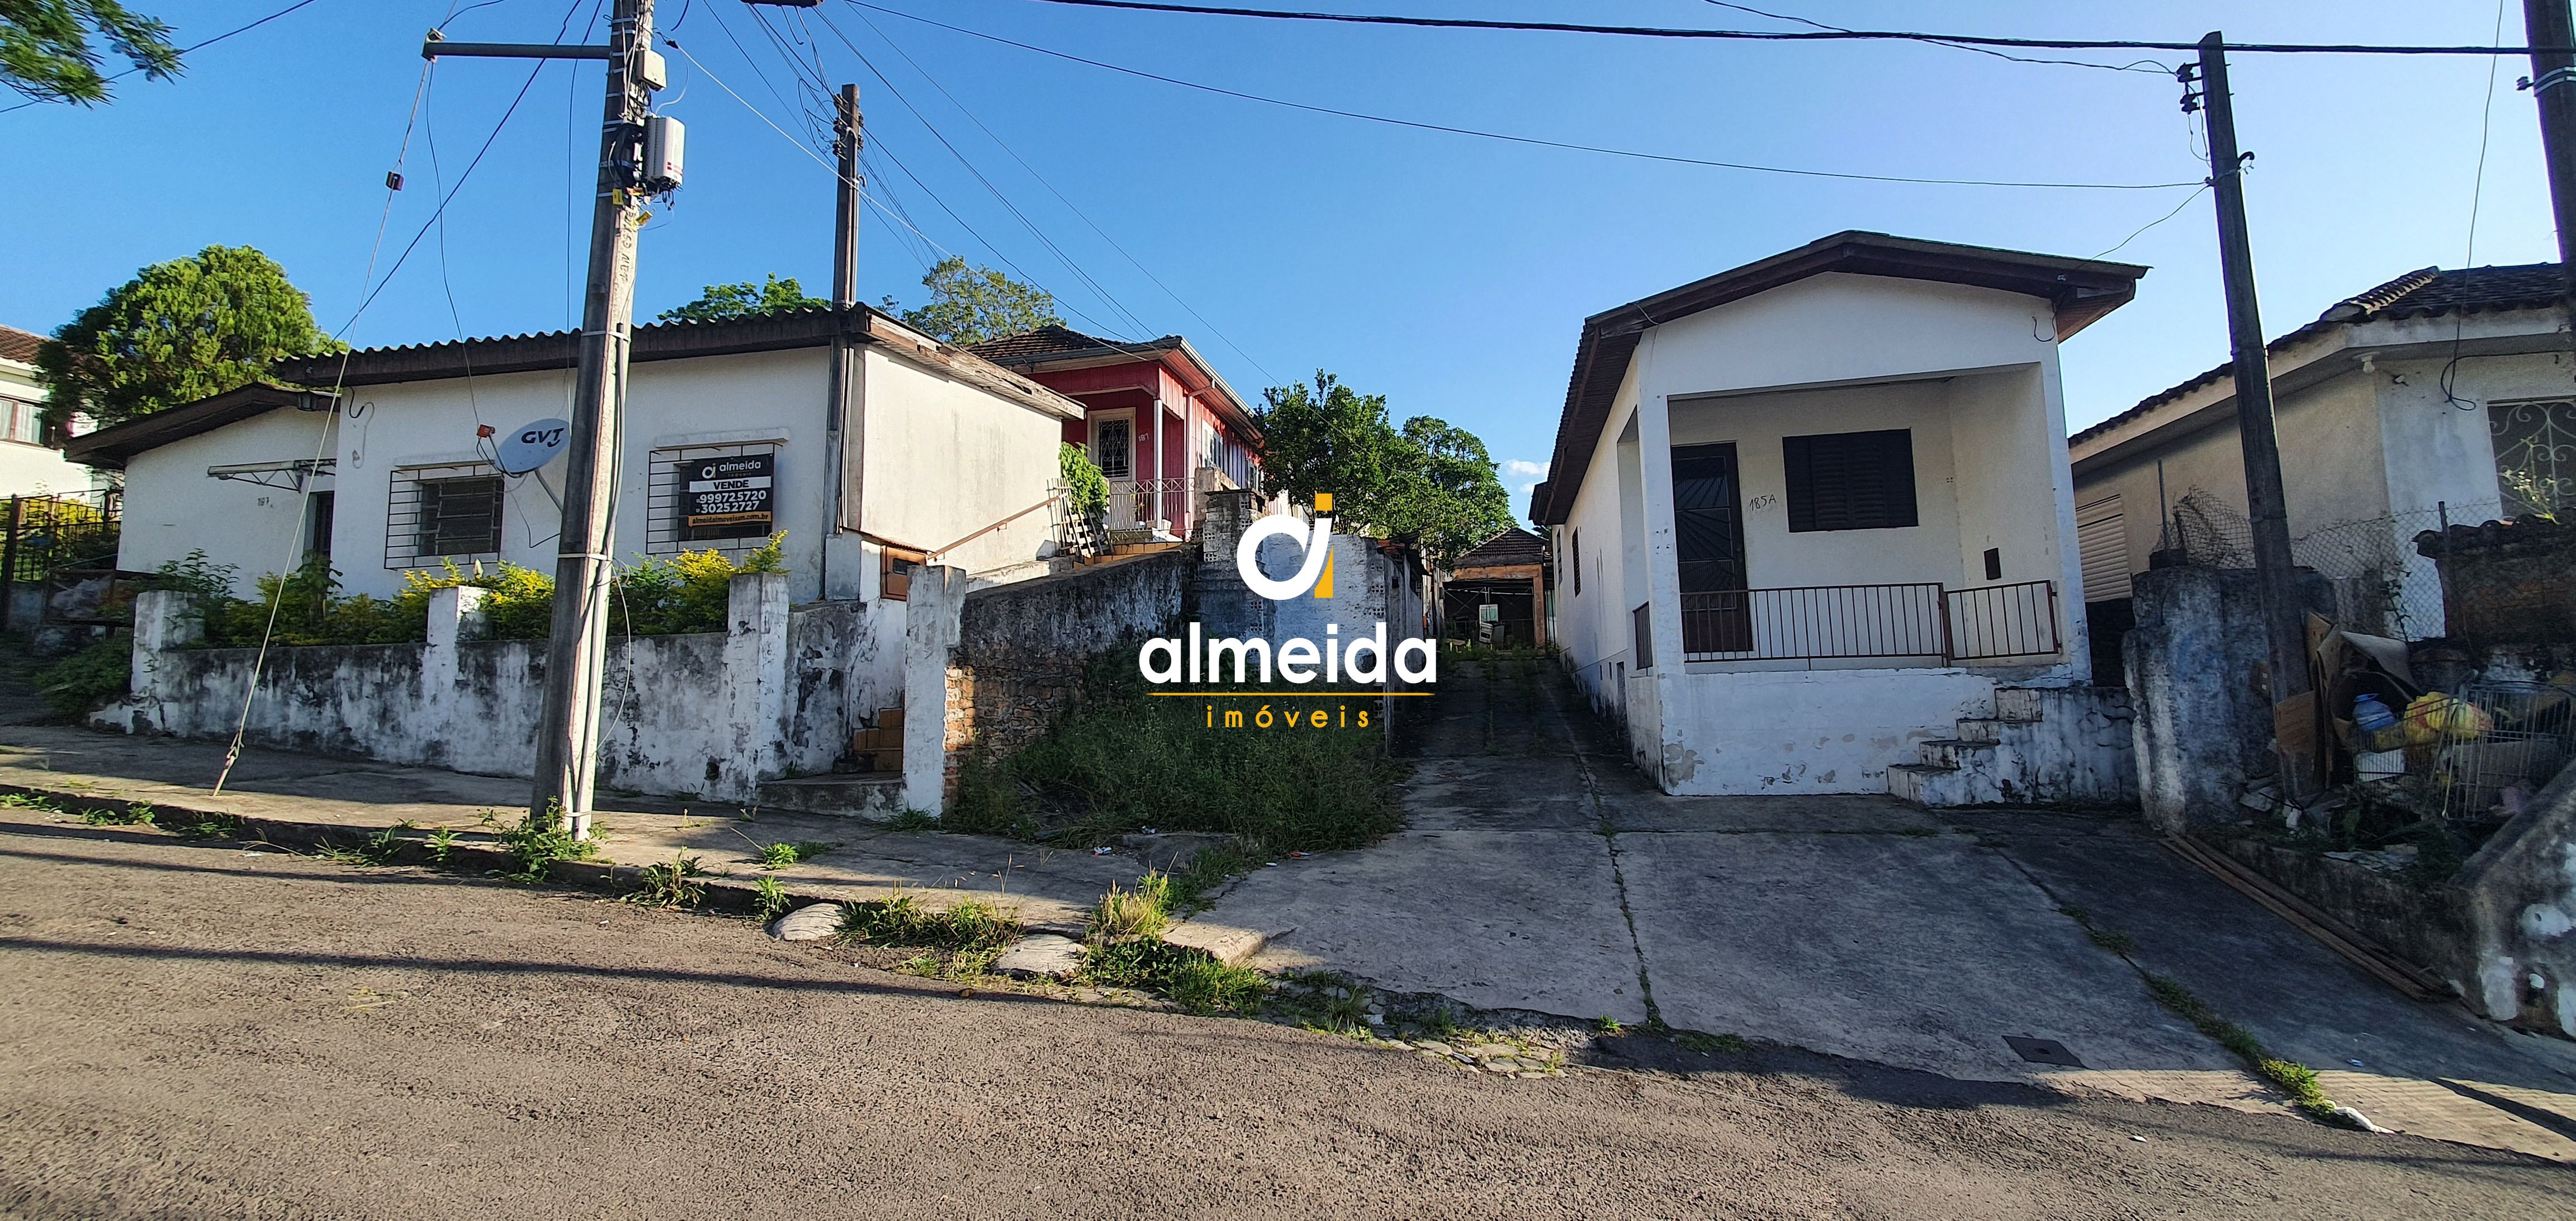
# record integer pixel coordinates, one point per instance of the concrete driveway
(1538, 871)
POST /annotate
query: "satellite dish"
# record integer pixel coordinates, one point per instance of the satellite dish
(531, 445)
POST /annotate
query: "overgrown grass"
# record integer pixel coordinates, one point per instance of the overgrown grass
(1125, 759)
(1192, 979)
(1143, 912)
(904, 921)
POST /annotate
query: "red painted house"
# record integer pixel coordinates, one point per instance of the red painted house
(1164, 427)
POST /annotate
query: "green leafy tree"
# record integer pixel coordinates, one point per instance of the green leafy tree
(973, 304)
(1327, 438)
(1429, 483)
(45, 51)
(177, 332)
(1442, 491)
(726, 302)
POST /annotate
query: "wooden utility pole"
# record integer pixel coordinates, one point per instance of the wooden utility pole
(843, 421)
(2284, 612)
(2548, 30)
(568, 728)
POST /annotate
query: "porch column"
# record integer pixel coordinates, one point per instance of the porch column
(1155, 472)
(1663, 566)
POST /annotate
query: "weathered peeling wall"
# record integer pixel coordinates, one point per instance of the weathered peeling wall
(2198, 661)
(2521, 888)
(1800, 731)
(1002, 662)
(705, 715)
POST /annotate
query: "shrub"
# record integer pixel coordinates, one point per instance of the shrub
(89, 678)
(688, 592)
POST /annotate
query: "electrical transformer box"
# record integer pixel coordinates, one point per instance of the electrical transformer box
(664, 138)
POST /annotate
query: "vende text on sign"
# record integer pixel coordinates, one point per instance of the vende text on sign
(728, 491)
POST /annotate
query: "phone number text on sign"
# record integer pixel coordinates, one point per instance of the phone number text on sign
(729, 491)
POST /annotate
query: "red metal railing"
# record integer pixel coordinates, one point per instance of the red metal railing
(1917, 620)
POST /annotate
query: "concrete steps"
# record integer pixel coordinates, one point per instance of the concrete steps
(2042, 746)
(872, 796)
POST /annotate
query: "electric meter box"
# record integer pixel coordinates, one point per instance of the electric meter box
(664, 138)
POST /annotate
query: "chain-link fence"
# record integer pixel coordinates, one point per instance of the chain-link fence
(2381, 586)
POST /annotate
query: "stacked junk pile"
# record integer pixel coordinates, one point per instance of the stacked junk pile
(2429, 829)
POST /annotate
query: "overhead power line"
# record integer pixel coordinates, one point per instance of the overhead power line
(1638, 154)
(1829, 35)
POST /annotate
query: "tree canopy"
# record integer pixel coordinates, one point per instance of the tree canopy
(725, 302)
(973, 304)
(45, 51)
(177, 332)
(1429, 482)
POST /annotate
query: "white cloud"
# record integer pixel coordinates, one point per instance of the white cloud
(1518, 466)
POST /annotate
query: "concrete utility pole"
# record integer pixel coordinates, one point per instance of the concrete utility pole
(2549, 31)
(2283, 611)
(568, 729)
(843, 421)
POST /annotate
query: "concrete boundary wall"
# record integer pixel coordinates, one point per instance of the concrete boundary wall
(707, 715)
(998, 664)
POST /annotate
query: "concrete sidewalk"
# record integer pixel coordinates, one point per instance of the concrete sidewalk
(1050, 888)
(1539, 871)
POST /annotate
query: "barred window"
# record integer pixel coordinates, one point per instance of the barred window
(2535, 455)
(440, 513)
(667, 531)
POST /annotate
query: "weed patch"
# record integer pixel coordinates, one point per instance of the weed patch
(133, 815)
(903, 921)
(2295, 1079)
(673, 883)
(30, 801)
(1125, 760)
(914, 820)
(1711, 1044)
(1128, 914)
(780, 856)
(1192, 979)
(769, 900)
(535, 844)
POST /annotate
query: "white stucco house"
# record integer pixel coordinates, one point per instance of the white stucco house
(28, 466)
(397, 473)
(1809, 515)
(2415, 401)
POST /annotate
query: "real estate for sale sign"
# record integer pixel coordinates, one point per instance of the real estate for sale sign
(734, 491)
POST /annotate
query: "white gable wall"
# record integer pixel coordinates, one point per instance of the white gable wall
(172, 507)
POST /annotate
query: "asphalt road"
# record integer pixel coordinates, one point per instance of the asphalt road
(194, 1031)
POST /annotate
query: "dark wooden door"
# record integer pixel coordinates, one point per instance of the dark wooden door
(1708, 531)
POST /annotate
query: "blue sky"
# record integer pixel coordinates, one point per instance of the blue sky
(1447, 272)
